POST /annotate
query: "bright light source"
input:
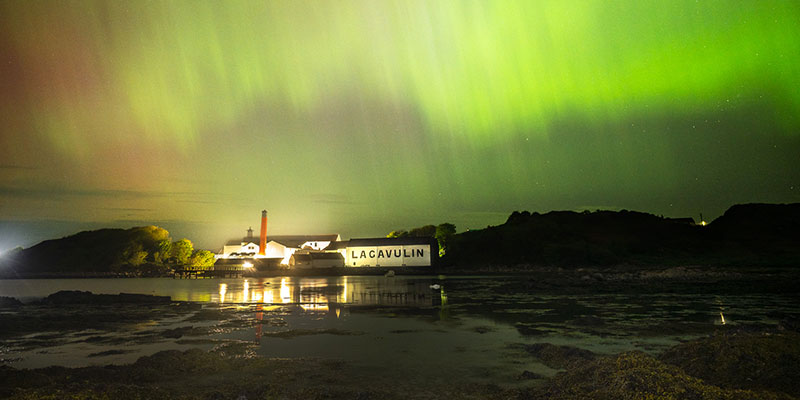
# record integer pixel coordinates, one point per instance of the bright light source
(247, 264)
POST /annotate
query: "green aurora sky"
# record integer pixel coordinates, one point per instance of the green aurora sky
(360, 117)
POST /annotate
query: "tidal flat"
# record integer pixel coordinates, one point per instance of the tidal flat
(405, 337)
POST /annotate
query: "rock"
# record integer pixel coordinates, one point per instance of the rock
(559, 356)
(483, 329)
(9, 302)
(790, 324)
(527, 375)
(588, 320)
(635, 375)
(82, 297)
(742, 358)
(598, 276)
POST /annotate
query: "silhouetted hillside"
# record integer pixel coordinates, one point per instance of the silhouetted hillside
(758, 233)
(759, 225)
(103, 250)
(752, 234)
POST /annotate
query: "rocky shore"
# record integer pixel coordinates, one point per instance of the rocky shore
(740, 363)
(747, 361)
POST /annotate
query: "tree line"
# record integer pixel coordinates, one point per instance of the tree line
(442, 233)
(153, 247)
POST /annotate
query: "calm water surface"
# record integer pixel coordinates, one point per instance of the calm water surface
(429, 327)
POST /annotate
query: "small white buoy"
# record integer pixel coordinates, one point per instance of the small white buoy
(436, 286)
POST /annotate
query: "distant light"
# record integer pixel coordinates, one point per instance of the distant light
(703, 223)
(247, 264)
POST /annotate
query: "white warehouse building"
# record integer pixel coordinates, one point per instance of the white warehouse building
(387, 252)
(278, 246)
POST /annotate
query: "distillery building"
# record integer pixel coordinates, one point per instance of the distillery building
(276, 247)
(328, 250)
(387, 252)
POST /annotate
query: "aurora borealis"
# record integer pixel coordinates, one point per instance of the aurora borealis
(360, 117)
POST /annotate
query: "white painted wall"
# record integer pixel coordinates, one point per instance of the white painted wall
(415, 255)
(315, 245)
(275, 250)
(248, 247)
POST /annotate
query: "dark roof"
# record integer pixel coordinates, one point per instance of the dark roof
(298, 240)
(360, 242)
(317, 256)
(301, 257)
(685, 220)
(286, 240)
(236, 242)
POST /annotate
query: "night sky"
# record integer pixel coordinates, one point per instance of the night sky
(361, 117)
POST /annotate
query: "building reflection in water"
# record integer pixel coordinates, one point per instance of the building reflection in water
(329, 296)
(318, 293)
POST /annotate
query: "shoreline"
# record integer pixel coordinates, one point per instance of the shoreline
(620, 272)
(689, 369)
(231, 367)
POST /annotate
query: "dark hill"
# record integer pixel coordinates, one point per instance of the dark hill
(102, 250)
(757, 223)
(752, 234)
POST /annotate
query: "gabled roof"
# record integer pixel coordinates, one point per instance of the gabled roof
(246, 240)
(364, 242)
(295, 241)
(317, 256)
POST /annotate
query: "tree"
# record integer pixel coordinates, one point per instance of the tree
(202, 259)
(181, 251)
(133, 255)
(423, 231)
(137, 258)
(397, 234)
(444, 232)
(162, 252)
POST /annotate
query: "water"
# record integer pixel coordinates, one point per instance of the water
(473, 328)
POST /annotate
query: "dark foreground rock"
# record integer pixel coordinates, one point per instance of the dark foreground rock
(636, 375)
(223, 374)
(9, 302)
(687, 371)
(26, 325)
(81, 297)
(559, 356)
(758, 360)
(733, 363)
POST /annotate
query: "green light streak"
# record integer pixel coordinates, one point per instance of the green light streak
(473, 101)
(479, 71)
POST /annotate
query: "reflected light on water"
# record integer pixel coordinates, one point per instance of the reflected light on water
(721, 318)
(344, 290)
(444, 312)
(314, 307)
(223, 288)
(285, 294)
